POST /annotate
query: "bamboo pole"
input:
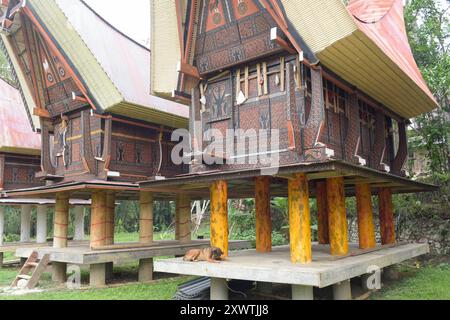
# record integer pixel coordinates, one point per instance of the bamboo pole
(366, 228)
(146, 218)
(387, 228)
(61, 222)
(299, 219)
(98, 219)
(263, 218)
(110, 218)
(219, 215)
(322, 212)
(337, 216)
(183, 218)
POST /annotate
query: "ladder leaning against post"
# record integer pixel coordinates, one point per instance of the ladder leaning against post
(34, 266)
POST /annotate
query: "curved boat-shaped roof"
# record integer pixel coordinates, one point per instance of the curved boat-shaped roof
(16, 133)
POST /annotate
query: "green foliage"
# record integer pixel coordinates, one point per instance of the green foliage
(5, 68)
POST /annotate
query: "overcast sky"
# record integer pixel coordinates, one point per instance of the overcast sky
(133, 20)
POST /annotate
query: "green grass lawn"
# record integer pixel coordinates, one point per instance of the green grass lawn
(427, 283)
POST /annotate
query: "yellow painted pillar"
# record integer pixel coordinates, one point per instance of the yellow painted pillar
(146, 218)
(219, 215)
(337, 216)
(387, 227)
(110, 217)
(322, 212)
(263, 218)
(299, 219)
(183, 218)
(61, 222)
(366, 228)
(98, 219)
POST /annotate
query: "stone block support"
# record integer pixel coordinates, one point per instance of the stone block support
(25, 223)
(41, 224)
(146, 218)
(79, 223)
(183, 219)
(59, 272)
(322, 213)
(97, 275)
(219, 215)
(299, 219)
(61, 222)
(302, 292)
(219, 289)
(337, 216)
(342, 291)
(146, 270)
(366, 228)
(387, 226)
(263, 218)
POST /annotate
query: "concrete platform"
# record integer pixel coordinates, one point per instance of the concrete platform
(14, 246)
(276, 267)
(83, 255)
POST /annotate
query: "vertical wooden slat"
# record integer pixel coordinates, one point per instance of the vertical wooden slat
(219, 215)
(366, 228)
(322, 212)
(299, 219)
(61, 222)
(337, 216)
(146, 217)
(387, 227)
(263, 218)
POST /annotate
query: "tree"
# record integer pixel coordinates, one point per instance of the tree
(428, 27)
(5, 68)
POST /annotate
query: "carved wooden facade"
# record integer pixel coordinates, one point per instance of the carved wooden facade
(250, 82)
(18, 171)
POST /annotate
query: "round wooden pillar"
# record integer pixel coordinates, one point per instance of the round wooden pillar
(263, 218)
(61, 222)
(2, 224)
(322, 212)
(146, 218)
(110, 218)
(366, 228)
(98, 219)
(387, 227)
(183, 219)
(299, 219)
(219, 215)
(337, 216)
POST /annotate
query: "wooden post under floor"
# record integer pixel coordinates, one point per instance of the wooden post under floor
(146, 270)
(387, 227)
(61, 225)
(183, 219)
(337, 216)
(219, 289)
(79, 223)
(300, 292)
(322, 213)
(342, 290)
(263, 218)
(41, 224)
(110, 217)
(219, 215)
(299, 219)
(146, 218)
(98, 219)
(366, 228)
(25, 223)
(2, 224)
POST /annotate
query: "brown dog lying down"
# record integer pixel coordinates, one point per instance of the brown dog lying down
(211, 254)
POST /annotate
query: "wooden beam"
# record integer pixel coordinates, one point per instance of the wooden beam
(299, 219)
(263, 219)
(337, 216)
(61, 222)
(274, 36)
(322, 212)
(366, 228)
(387, 228)
(42, 113)
(183, 219)
(219, 215)
(189, 70)
(146, 218)
(98, 219)
(110, 217)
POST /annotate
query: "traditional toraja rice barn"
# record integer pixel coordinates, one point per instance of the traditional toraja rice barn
(101, 130)
(19, 163)
(335, 86)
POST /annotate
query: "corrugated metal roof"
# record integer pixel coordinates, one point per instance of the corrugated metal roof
(16, 134)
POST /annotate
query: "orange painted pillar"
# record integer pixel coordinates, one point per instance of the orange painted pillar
(366, 228)
(322, 212)
(387, 228)
(146, 218)
(98, 219)
(219, 215)
(61, 222)
(299, 219)
(337, 216)
(110, 217)
(263, 218)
